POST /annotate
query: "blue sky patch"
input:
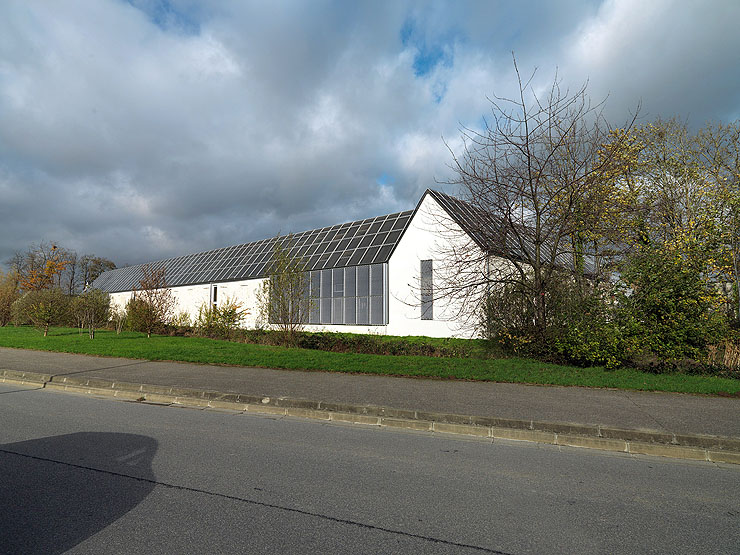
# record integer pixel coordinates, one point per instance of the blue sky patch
(385, 179)
(168, 17)
(430, 53)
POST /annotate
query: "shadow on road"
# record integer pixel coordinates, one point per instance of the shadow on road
(57, 491)
(115, 366)
(21, 390)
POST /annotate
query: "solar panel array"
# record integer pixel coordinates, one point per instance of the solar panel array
(357, 243)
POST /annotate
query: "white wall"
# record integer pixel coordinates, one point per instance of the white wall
(430, 234)
(190, 297)
(427, 237)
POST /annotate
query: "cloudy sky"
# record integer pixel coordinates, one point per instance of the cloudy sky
(143, 129)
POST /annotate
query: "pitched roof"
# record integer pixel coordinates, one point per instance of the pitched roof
(495, 238)
(370, 241)
(361, 242)
(482, 227)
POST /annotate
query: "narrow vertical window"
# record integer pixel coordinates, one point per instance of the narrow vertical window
(325, 297)
(377, 315)
(350, 289)
(427, 290)
(315, 307)
(214, 294)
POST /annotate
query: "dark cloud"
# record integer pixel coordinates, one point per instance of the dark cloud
(150, 128)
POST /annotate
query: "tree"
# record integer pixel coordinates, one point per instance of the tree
(118, 316)
(8, 295)
(675, 197)
(668, 309)
(535, 177)
(283, 300)
(673, 230)
(152, 304)
(720, 154)
(82, 271)
(43, 308)
(46, 265)
(91, 267)
(40, 266)
(91, 309)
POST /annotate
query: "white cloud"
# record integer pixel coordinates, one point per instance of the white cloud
(136, 134)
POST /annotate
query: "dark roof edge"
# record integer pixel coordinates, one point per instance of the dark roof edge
(436, 196)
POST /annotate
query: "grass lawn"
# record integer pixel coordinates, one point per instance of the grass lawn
(515, 370)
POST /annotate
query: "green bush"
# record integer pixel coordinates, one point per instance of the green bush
(91, 310)
(507, 318)
(219, 321)
(8, 295)
(584, 333)
(580, 327)
(43, 308)
(138, 314)
(667, 309)
(372, 344)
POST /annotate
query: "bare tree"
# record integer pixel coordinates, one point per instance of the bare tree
(45, 265)
(152, 304)
(8, 295)
(41, 266)
(91, 267)
(283, 300)
(91, 310)
(68, 278)
(534, 180)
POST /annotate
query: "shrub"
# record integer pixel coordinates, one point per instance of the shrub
(181, 320)
(118, 318)
(584, 333)
(155, 302)
(91, 310)
(667, 309)
(580, 325)
(220, 320)
(8, 295)
(139, 316)
(42, 308)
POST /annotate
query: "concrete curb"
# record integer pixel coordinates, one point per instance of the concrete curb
(646, 442)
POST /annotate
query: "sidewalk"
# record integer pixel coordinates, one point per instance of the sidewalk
(668, 418)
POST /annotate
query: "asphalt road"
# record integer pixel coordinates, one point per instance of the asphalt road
(104, 476)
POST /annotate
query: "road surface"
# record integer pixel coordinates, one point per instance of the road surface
(105, 476)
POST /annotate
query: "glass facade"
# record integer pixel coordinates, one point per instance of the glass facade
(351, 295)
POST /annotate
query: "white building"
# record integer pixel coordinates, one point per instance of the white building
(369, 276)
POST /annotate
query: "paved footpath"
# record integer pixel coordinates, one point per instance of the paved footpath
(668, 418)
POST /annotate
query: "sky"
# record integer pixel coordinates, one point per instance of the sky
(144, 129)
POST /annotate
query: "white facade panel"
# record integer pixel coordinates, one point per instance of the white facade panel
(189, 298)
(429, 235)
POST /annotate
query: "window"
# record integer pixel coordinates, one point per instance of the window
(427, 290)
(214, 294)
(315, 294)
(351, 295)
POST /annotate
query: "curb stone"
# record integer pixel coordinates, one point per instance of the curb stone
(645, 442)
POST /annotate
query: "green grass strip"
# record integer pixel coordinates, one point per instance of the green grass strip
(512, 370)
